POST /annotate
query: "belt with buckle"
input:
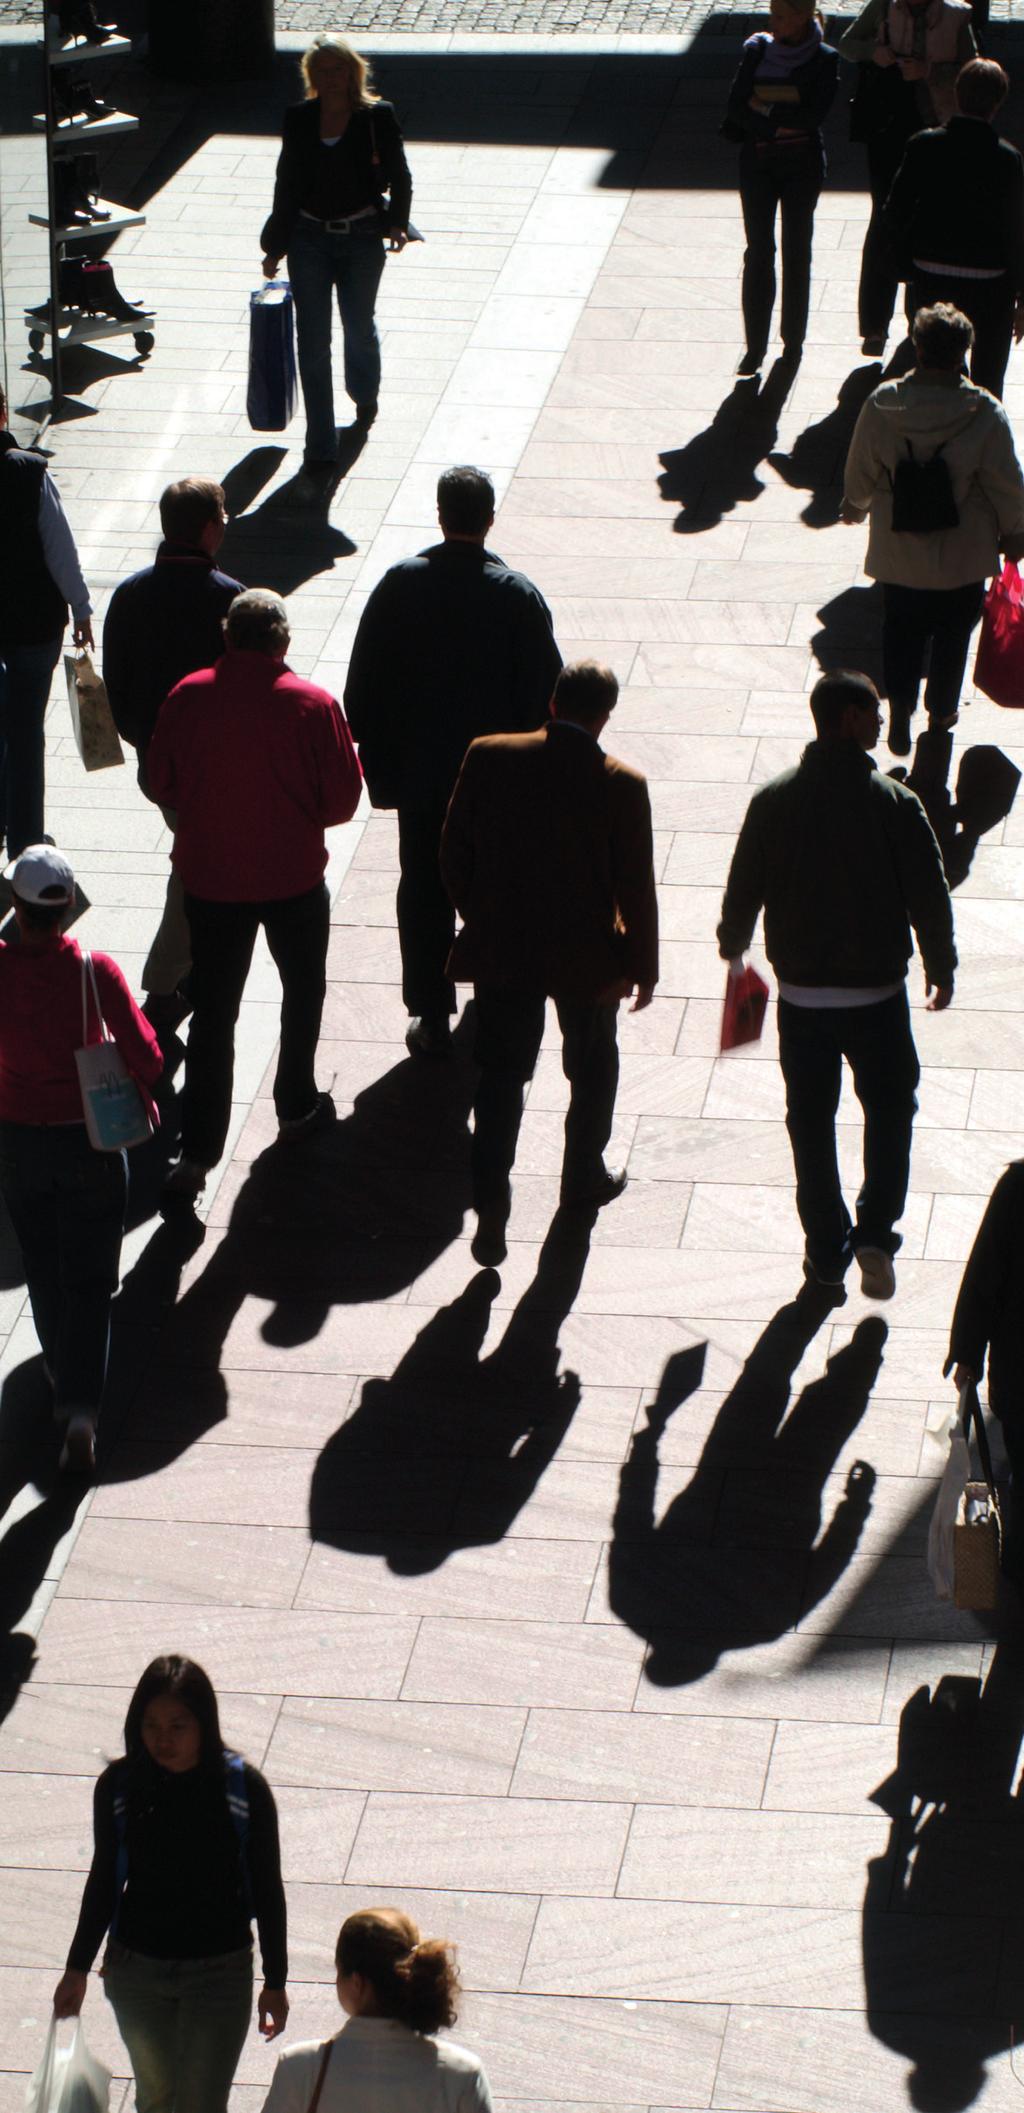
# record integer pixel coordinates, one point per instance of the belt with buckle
(340, 227)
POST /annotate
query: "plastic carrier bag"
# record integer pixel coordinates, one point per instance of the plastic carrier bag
(999, 666)
(272, 394)
(68, 2080)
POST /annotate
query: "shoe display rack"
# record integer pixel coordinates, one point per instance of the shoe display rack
(85, 305)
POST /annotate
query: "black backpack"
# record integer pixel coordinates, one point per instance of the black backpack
(922, 495)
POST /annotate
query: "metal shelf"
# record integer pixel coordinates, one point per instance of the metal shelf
(120, 218)
(72, 131)
(77, 54)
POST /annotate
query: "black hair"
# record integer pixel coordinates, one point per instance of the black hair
(465, 500)
(832, 694)
(185, 1682)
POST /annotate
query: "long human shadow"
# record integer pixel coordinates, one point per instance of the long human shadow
(715, 470)
(351, 1216)
(943, 1933)
(817, 459)
(735, 1559)
(445, 1453)
(289, 538)
(986, 787)
(29, 1447)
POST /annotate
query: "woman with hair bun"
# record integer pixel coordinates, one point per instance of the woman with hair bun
(397, 1989)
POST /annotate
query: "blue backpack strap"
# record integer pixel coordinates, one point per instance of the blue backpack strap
(121, 1865)
(238, 1806)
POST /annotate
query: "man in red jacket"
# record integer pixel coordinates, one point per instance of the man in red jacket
(257, 764)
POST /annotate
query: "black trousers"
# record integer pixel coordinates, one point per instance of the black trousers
(223, 936)
(785, 182)
(509, 1027)
(879, 264)
(877, 1042)
(426, 919)
(916, 619)
(989, 303)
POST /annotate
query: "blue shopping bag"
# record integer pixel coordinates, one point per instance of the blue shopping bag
(270, 402)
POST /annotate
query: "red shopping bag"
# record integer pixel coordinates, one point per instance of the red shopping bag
(999, 667)
(746, 997)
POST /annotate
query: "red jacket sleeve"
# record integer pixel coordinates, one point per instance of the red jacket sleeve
(160, 759)
(128, 1026)
(341, 780)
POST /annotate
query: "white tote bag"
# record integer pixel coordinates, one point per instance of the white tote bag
(955, 1475)
(68, 2081)
(116, 1115)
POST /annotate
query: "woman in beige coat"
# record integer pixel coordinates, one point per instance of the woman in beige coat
(397, 1990)
(933, 577)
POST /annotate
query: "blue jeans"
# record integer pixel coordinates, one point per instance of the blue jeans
(67, 1204)
(184, 2023)
(320, 265)
(25, 676)
(878, 1045)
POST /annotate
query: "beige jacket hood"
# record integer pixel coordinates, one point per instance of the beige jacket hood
(931, 411)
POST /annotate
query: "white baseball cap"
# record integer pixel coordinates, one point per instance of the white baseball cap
(41, 875)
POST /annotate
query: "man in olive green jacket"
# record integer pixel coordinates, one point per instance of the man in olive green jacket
(845, 865)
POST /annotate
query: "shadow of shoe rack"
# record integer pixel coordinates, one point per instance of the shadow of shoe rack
(85, 303)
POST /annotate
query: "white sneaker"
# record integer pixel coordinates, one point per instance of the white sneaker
(877, 1275)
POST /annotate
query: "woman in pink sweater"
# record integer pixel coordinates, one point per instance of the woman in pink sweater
(66, 1200)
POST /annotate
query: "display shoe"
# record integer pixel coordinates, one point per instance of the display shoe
(78, 18)
(69, 282)
(73, 99)
(100, 295)
(71, 202)
(72, 190)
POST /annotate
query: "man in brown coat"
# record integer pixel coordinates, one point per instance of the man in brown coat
(547, 856)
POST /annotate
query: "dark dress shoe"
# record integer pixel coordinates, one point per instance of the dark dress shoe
(899, 731)
(426, 1036)
(488, 1244)
(590, 1195)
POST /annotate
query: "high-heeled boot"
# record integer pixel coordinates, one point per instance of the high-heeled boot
(78, 18)
(100, 294)
(77, 99)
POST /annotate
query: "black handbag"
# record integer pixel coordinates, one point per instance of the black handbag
(878, 101)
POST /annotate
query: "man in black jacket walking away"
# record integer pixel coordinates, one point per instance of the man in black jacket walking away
(955, 215)
(844, 864)
(164, 623)
(39, 577)
(452, 644)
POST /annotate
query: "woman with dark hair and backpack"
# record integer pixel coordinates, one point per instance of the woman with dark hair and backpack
(397, 1989)
(933, 465)
(186, 1855)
